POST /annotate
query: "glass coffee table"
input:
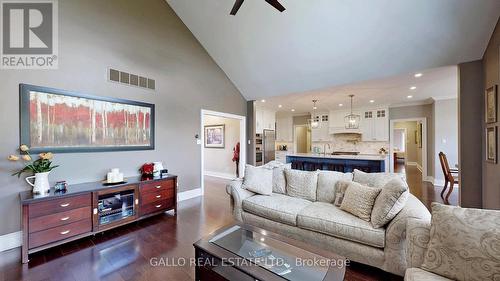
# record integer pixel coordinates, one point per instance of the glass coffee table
(243, 252)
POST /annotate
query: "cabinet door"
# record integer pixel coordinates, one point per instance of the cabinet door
(382, 125)
(367, 126)
(259, 121)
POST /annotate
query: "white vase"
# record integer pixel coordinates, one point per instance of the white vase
(41, 184)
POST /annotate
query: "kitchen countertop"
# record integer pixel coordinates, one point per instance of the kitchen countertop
(377, 157)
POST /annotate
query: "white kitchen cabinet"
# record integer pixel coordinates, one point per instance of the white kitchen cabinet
(337, 122)
(264, 120)
(322, 132)
(375, 125)
(284, 128)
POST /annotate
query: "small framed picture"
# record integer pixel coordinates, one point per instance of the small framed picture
(214, 136)
(491, 105)
(491, 144)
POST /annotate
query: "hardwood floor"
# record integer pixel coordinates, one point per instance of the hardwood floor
(126, 253)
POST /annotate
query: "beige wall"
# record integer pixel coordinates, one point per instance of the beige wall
(144, 37)
(413, 152)
(491, 174)
(218, 161)
(419, 111)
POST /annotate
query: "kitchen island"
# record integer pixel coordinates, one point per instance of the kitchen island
(370, 163)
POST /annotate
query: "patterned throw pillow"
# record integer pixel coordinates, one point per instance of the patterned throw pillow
(340, 189)
(327, 183)
(464, 243)
(375, 179)
(279, 179)
(389, 202)
(258, 180)
(359, 199)
(301, 184)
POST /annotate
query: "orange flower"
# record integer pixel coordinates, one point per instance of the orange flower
(24, 148)
(13, 158)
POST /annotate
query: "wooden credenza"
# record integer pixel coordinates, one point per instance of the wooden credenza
(61, 217)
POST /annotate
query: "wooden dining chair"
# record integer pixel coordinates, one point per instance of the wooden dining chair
(450, 176)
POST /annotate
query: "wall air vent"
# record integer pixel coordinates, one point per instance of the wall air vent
(131, 79)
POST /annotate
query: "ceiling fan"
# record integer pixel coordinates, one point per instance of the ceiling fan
(273, 3)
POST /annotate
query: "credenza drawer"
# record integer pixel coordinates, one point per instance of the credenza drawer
(54, 234)
(158, 206)
(160, 195)
(157, 185)
(59, 205)
(57, 219)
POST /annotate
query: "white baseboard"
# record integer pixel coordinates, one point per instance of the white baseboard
(186, 195)
(11, 241)
(219, 175)
(14, 239)
(411, 164)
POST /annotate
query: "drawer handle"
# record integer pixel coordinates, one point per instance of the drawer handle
(158, 186)
(65, 232)
(158, 206)
(65, 218)
(64, 205)
(158, 196)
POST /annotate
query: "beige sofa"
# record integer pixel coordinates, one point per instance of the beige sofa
(325, 225)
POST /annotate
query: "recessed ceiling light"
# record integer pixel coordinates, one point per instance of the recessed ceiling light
(262, 100)
(293, 109)
(418, 75)
(280, 106)
(410, 96)
(340, 104)
(413, 88)
(372, 101)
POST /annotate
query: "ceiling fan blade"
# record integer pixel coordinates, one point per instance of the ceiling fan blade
(276, 5)
(236, 7)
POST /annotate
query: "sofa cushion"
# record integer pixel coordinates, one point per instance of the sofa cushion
(359, 199)
(389, 202)
(258, 180)
(279, 179)
(277, 207)
(464, 243)
(417, 274)
(374, 179)
(301, 184)
(328, 219)
(327, 181)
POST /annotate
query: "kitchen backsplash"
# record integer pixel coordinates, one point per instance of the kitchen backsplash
(351, 143)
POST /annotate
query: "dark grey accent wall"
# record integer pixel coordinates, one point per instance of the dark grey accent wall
(419, 111)
(470, 133)
(251, 132)
(491, 174)
(143, 37)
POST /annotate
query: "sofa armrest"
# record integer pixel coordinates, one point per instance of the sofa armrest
(238, 194)
(395, 234)
(417, 238)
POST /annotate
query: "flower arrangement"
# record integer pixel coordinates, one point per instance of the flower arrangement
(236, 158)
(42, 165)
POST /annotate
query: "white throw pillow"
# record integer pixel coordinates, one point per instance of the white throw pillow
(389, 202)
(301, 184)
(359, 199)
(258, 180)
(327, 182)
(464, 243)
(374, 179)
(279, 178)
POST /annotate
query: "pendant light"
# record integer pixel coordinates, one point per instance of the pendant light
(352, 120)
(314, 121)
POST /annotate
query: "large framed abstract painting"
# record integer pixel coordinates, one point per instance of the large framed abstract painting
(62, 121)
(214, 136)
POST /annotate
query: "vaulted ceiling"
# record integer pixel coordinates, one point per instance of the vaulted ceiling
(319, 44)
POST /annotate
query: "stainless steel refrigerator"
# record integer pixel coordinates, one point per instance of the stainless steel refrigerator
(268, 143)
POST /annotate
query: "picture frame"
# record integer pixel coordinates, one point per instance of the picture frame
(418, 135)
(491, 110)
(492, 144)
(215, 136)
(62, 121)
